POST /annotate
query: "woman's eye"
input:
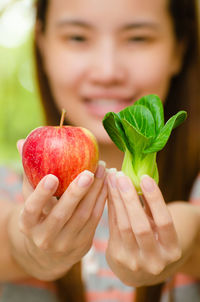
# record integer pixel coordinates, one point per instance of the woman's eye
(77, 38)
(138, 39)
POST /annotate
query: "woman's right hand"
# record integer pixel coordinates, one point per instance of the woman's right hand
(58, 233)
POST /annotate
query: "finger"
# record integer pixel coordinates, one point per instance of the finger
(123, 220)
(139, 222)
(20, 144)
(115, 241)
(33, 206)
(27, 188)
(87, 232)
(97, 210)
(163, 221)
(100, 204)
(96, 186)
(121, 215)
(86, 206)
(112, 218)
(145, 205)
(49, 206)
(64, 209)
(148, 214)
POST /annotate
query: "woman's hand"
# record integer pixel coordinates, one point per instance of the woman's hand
(143, 242)
(58, 233)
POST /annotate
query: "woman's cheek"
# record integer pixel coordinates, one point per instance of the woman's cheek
(70, 72)
(152, 76)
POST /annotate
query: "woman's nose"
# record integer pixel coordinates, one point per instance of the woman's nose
(107, 67)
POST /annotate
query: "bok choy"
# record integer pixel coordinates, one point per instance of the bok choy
(139, 131)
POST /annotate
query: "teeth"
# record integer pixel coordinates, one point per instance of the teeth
(105, 102)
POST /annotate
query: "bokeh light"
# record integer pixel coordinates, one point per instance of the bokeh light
(16, 22)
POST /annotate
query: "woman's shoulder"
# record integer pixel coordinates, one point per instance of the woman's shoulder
(10, 184)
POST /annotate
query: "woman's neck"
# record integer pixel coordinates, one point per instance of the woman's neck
(111, 155)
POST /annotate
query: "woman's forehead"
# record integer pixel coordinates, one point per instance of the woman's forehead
(109, 10)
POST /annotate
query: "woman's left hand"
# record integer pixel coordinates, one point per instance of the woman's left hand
(143, 241)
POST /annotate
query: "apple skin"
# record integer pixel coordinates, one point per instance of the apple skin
(63, 151)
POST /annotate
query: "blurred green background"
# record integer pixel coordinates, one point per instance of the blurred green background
(20, 110)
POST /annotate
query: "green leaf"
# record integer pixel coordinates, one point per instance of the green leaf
(154, 104)
(165, 132)
(155, 175)
(182, 115)
(137, 142)
(111, 124)
(141, 118)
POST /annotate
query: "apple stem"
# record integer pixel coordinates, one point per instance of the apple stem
(62, 117)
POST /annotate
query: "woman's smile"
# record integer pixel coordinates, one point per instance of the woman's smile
(98, 107)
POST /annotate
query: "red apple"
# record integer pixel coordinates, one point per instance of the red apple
(64, 151)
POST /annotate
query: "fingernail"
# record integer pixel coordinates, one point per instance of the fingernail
(123, 182)
(147, 183)
(19, 144)
(50, 182)
(101, 169)
(85, 179)
(112, 177)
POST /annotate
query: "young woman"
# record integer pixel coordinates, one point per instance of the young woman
(93, 57)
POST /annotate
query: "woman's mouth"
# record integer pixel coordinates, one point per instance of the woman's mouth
(100, 106)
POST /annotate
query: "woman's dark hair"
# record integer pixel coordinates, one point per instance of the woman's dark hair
(179, 162)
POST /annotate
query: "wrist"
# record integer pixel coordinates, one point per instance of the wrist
(42, 267)
(29, 263)
(15, 245)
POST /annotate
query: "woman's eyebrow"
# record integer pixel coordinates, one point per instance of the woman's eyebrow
(140, 24)
(70, 21)
(66, 21)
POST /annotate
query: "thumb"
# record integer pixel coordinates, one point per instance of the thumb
(20, 144)
(27, 189)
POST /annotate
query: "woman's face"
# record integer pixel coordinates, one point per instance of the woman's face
(102, 55)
